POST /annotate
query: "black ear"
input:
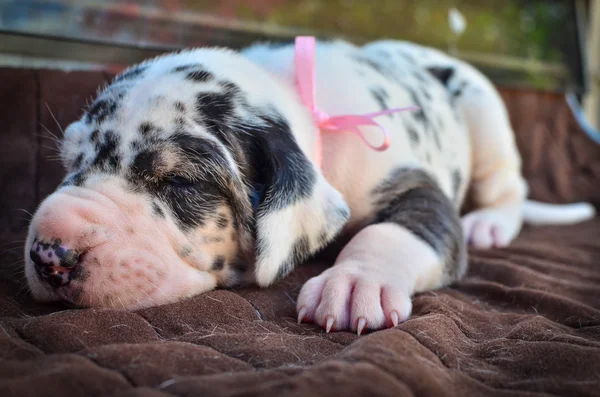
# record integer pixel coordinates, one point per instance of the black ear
(297, 210)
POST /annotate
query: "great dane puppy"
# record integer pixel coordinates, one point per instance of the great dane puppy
(195, 170)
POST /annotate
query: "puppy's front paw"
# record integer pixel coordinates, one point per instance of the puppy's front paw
(492, 227)
(349, 296)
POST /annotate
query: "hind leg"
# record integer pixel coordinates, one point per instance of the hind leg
(497, 186)
(498, 189)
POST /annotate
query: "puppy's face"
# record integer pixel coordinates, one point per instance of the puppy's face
(177, 183)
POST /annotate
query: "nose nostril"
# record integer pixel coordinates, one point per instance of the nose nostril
(69, 259)
(54, 262)
(56, 280)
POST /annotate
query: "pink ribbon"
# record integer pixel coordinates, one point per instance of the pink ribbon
(305, 79)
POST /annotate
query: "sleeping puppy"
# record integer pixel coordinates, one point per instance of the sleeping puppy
(196, 170)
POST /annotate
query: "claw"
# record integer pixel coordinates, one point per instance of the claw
(301, 314)
(362, 323)
(329, 324)
(394, 318)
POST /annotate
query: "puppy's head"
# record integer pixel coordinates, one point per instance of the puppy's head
(181, 177)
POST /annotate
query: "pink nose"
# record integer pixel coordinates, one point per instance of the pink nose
(54, 263)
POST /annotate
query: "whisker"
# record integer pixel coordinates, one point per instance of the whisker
(12, 242)
(19, 261)
(22, 289)
(54, 159)
(25, 211)
(18, 272)
(54, 149)
(52, 136)
(15, 249)
(56, 121)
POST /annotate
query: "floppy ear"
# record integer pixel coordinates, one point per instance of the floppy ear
(298, 211)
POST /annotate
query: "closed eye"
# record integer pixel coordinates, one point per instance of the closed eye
(179, 181)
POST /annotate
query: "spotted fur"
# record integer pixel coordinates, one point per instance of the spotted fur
(196, 170)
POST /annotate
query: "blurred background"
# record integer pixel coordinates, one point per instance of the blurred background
(550, 45)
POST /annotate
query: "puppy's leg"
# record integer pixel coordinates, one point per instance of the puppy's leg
(497, 186)
(415, 244)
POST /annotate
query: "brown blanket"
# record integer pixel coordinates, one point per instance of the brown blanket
(525, 322)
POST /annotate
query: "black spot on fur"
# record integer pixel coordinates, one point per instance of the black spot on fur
(230, 88)
(222, 221)
(218, 263)
(157, 210)
(214, 108)
(418, 114)
(381, 96)
(413, 134)
(145, 128)
(459, 91)
(107, 156)
(136, 146)
(199, 76)
(412, 199)
(78, 161)
(456, 182)
(371, 64)
(145, 162)
(233, 91)
(130, 74)
(77, 179)
(454, 96)
(179, 106)
(101, 110)
(94, 136)
(421, 115)
(189, 66)
(443, 74)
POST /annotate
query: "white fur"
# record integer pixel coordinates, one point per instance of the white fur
(537, 213)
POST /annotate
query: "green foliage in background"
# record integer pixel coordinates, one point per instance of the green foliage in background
(520, 28)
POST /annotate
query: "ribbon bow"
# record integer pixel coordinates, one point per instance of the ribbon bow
(305, 79)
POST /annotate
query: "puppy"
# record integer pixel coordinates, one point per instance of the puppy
(196, 170)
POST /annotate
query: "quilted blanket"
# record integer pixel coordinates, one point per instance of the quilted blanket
(524, 322)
